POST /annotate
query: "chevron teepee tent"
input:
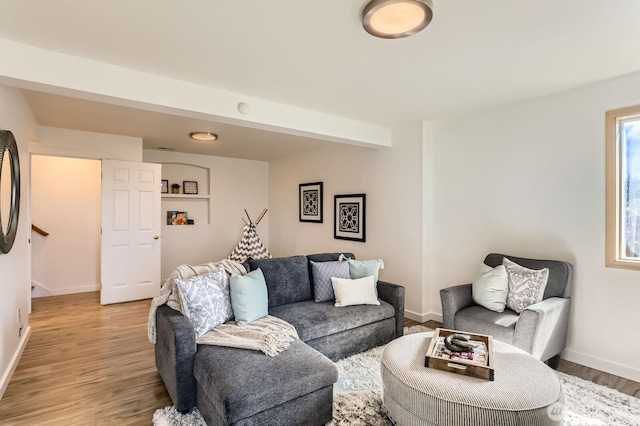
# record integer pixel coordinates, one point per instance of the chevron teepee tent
(250, 247)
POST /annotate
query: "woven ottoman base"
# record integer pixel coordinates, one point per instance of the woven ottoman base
(525, 391)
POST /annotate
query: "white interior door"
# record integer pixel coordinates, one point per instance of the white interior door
(130, 267)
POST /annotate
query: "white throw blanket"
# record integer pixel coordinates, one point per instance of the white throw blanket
(270, 335)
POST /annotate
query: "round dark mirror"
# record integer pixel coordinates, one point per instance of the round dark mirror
(9, 190)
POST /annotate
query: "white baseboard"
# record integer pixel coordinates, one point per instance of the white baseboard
(6, 377)
(616, 369)
(41, 290)
(429, 316)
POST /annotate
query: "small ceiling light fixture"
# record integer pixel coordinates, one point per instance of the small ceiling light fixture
(203, 136)
(396, 18)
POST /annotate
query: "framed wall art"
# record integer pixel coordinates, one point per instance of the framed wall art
(310, 202)
(349, 217)
(189, 187)
(164, 189)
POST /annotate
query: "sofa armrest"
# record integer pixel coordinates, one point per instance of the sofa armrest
(394, 295)
(542, 328)
(175, 354)
(453, 300)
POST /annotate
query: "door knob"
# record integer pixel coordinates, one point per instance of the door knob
(156, 237)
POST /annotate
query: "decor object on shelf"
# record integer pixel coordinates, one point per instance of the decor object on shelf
(189, 187)
(396, 18)
(310, 202)
(250, 247)
(175, 188)
(164, 189)
(349, 217)
(178, 218)
(9, 190)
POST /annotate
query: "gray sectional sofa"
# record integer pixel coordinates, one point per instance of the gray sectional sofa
(241, 387)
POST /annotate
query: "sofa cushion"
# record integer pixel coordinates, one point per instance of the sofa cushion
(287, 278)
(327, 257)
(240, 383)
(560, 273)
(313, 320)
(500, 325)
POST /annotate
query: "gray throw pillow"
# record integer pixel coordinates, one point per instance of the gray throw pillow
(526, 286)
(322, 272)
(205, 300)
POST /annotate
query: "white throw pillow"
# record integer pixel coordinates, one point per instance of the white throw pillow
(526, 286)
(490, 287)
(361, 291)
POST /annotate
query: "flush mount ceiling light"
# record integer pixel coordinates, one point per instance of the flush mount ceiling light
(203, 136)
(396, 18)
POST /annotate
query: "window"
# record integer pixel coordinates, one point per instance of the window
(623, 188)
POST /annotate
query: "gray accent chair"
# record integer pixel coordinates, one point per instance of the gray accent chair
(541, 329)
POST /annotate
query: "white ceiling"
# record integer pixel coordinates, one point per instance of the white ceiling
(315, 55)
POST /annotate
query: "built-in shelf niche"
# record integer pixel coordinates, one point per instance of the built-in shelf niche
(198, 206)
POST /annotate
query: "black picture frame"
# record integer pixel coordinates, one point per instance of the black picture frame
(164, 188)
(310, 204)
(190, 187)
(349, 217)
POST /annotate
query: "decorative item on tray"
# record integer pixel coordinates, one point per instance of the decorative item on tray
(460, 352)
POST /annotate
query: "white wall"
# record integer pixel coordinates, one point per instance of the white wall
(391, 179)
(234, 185)
(529, 180)
(75, 143)
(65, 201)
(15, 116)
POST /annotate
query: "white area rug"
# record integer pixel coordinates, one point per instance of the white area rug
(357, 398)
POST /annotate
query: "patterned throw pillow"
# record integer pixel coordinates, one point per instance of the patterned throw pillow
(322, 273)
(205, 300)
(526, 286)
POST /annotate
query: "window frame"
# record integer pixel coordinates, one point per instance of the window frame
(613, 196)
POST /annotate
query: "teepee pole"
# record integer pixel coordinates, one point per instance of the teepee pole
(261, 216)
(245, 212)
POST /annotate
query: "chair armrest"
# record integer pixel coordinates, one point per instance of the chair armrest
(175, 354)
(394, 295)
(453, 300)
(542, 328)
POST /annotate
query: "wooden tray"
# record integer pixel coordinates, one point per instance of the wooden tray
(459, 365)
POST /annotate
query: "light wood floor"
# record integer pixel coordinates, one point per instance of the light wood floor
(87, 364)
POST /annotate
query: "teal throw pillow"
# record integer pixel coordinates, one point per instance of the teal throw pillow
(365, 268)
(249, 298)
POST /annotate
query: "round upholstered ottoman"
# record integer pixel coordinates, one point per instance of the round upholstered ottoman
(525, 390)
